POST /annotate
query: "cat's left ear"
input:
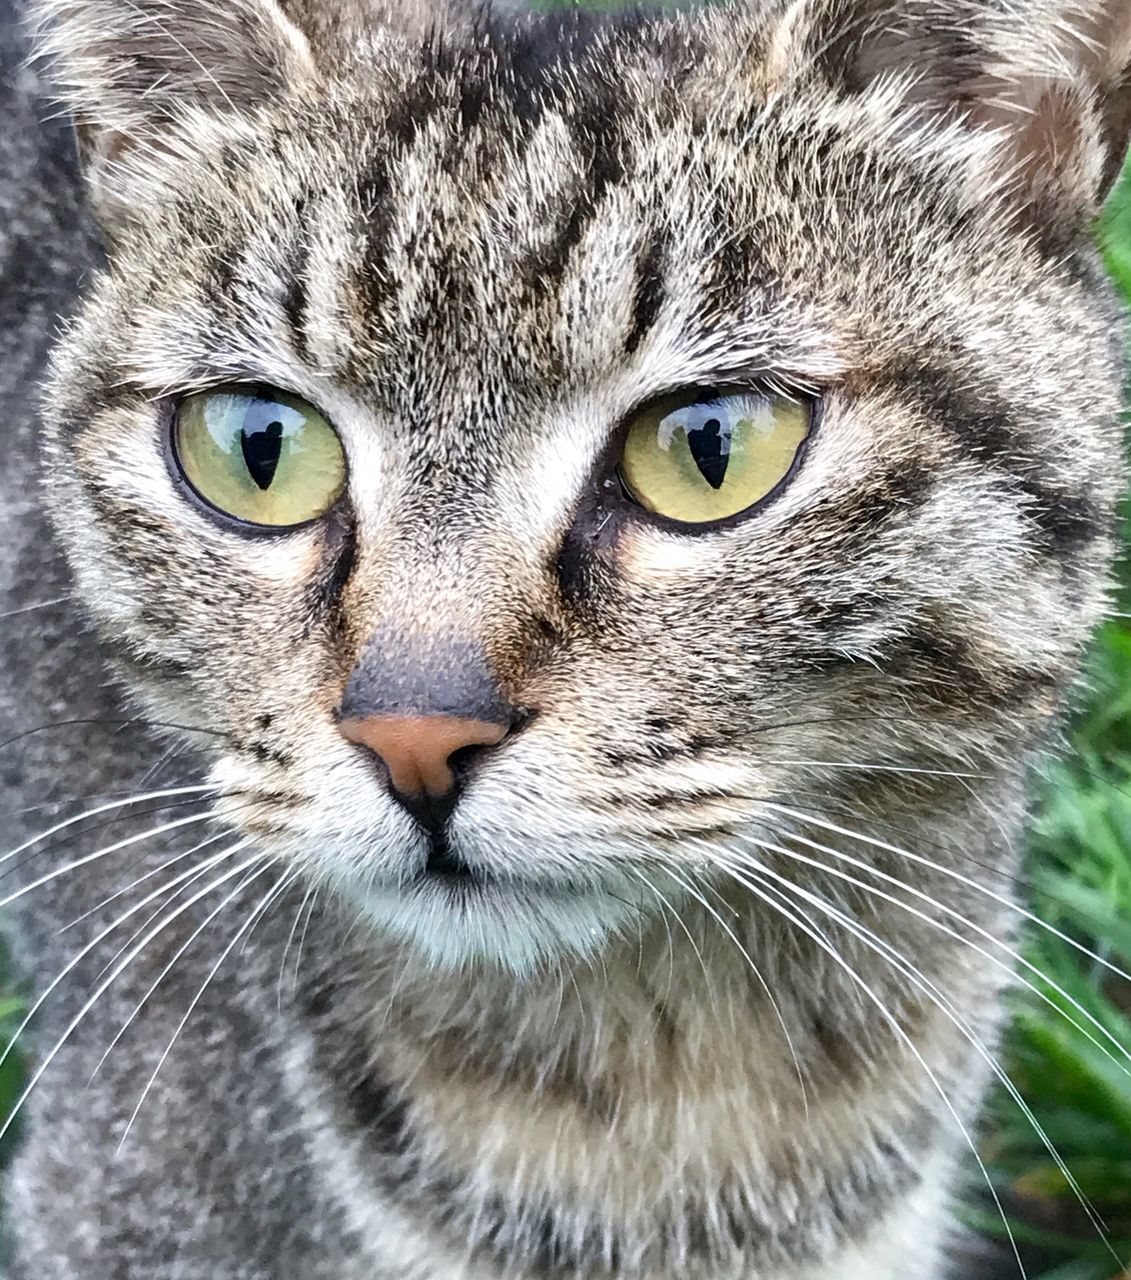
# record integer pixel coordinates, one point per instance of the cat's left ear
(1050, 78)
(135, 73)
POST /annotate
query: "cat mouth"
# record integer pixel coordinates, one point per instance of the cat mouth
(447, 871)
(460, 907)
(445, 866)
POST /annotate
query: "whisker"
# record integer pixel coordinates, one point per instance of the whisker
(124, 797)
(1001, 899)
(884, 949)
(830, 805)
(156, 871)
(287, 877)
(260, 914)
(193, 875)
(213, 861)
(302, 939)
(665, 908)
(1013, 954)
(252, 875)
(842, 810)
(170, 753)
(302, 906)
(865, 766)
(689, 889)
(31, 608)
(124, 722)
(839, 808)
(808, 722)
(41, 850)
(103, 853)
(67, 823)
(813, 931)
(105, 984)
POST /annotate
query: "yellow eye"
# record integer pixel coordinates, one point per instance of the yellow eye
(700, 460)
(262, 456)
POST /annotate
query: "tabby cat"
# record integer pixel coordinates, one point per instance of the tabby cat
(574, 531)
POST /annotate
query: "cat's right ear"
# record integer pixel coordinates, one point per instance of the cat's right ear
(140, 76)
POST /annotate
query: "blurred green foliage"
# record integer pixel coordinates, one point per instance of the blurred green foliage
(1079, 865)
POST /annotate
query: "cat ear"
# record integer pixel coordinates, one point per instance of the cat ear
(1050, 78)
(133, 71)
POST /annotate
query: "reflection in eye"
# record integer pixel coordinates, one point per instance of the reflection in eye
(703, 460)
(261, 456)
(261, 451)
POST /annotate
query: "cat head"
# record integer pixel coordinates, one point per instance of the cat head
(546, 453)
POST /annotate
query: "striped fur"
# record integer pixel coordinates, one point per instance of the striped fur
(476, 241)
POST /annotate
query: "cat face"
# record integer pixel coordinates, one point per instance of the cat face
(505, 304)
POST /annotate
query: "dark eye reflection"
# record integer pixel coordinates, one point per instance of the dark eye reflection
(710, 448)
(262, 446)
(702, 457)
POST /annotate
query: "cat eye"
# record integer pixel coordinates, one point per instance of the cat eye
(702, 458)
(261, 456)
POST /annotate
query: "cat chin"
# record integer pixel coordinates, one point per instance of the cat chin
(522, 928)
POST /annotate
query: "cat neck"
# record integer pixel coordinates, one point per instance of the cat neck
(631, 1098)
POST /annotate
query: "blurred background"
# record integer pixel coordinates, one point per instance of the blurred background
(1079, 883)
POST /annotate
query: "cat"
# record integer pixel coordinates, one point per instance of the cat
(538, 566)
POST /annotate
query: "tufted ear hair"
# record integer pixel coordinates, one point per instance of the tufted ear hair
(133, 71)
(130, 65)
(1050, 78)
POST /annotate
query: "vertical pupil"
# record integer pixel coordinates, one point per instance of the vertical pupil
(711, 450)
(262, 446)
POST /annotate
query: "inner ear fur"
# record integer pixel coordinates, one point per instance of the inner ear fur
(1050, 78)
(128, 65)
(132, 71)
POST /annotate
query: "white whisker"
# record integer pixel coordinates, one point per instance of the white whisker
(169, 966)
(31, 608)
(140, 880)
(813, 931)
(186, 883)
(302, 939)
(103, 853)
(105, 984)
(666, 909)
(106, 932)
(263, 904)
(106, 808)
(689, 889)
(881, 947)
(302, 906)
(1011, 952)
(999, 898)
(865, 766)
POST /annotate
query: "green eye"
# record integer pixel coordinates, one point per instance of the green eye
(701, 460)
(262, 456)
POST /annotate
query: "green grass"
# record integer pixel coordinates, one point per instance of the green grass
(1079, 862)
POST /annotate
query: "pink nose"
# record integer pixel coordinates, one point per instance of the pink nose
(416, 749)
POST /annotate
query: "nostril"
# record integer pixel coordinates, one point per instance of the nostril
(463, 760)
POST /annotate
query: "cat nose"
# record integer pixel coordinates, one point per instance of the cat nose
(418, 702)
(417, 750)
